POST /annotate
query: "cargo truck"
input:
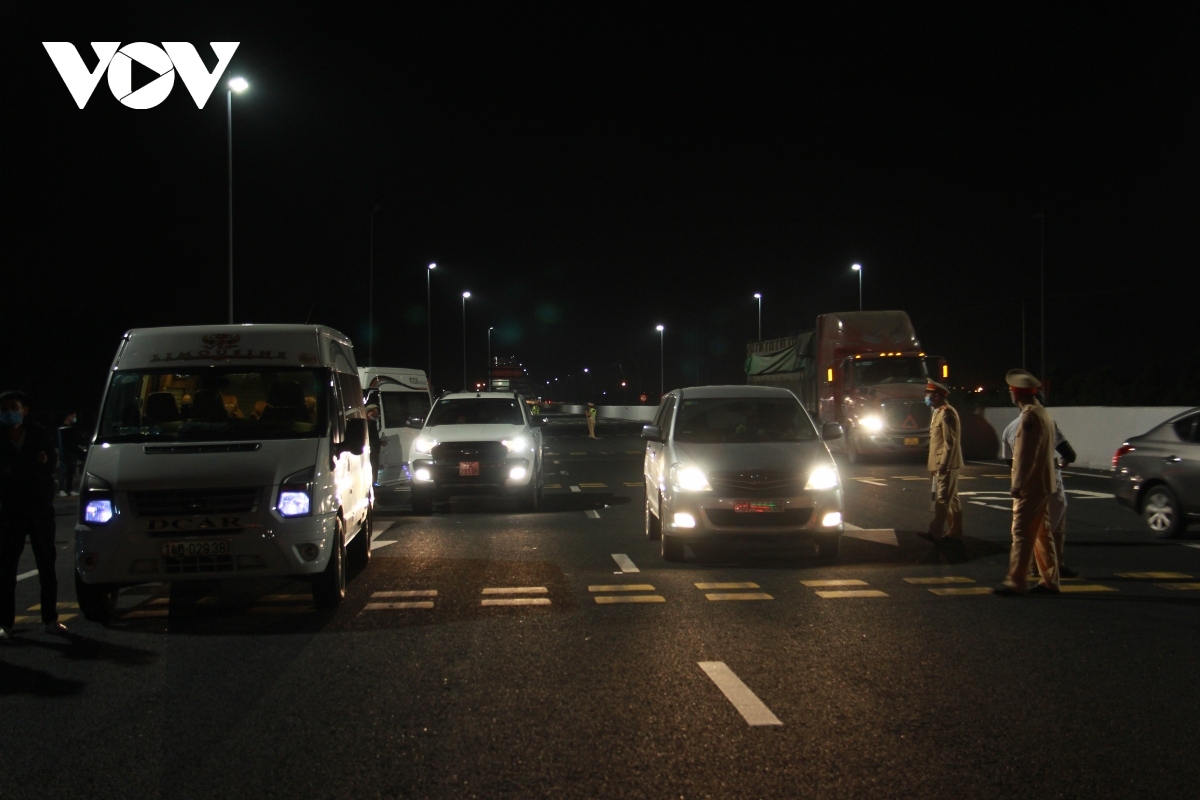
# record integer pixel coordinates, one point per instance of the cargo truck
(863, 369)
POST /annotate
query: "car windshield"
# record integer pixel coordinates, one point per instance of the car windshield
(214, 405)
(742, 419)
(477, 411)
(871, 372)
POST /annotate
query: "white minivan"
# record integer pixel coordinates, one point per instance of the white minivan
(404, 401)
(226, 451)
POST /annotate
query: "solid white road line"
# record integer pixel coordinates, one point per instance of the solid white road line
(576, 489)
(753, 710)
(624, 563)
(25, 575)
(592, 513)
(378, 543)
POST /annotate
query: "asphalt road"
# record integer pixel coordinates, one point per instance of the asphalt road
(731, 675)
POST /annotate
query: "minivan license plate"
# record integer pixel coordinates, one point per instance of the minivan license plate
(468, 468)
(757, 507)
(221, 547)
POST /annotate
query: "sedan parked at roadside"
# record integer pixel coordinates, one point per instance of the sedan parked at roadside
(1157, 474)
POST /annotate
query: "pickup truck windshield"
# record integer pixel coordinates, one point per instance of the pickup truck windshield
(214, 405)
(729, 420)
(477, 411)
(875, 371)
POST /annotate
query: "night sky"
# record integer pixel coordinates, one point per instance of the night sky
(590, 171)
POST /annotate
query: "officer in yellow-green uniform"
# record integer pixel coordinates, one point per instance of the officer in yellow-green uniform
(591, 420)
(945, 460)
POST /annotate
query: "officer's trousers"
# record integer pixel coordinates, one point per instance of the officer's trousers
(591, 421)
(36, 522)
(1031, 537)
(946, 506)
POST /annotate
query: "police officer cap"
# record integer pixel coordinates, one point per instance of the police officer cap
(1020, 379)
(934, 386)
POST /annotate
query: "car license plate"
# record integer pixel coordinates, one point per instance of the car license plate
(757, 507)
(468, 468)
(912, 441)
(220, 547)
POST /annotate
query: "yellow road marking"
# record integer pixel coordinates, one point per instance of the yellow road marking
(65, 617)
(740, 596)
(997, 475)
(623, 587)
(517, 590)
(1085, 587)
(280, 610)
(835, 583)
(19, 620)
(852, 593)
(398, 606)
(145, 612)
(517, 601)
(38, 607)
(728, 586)
(592, 485)
(930, 581)
(605, 600)
(1148, 576)
(407, 593)
(961, 590)
(553, 486)
(1182, 587)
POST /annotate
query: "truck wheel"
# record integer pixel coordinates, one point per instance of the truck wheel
(329, 588)
(671, 548)
(1162, 511)
(653, 524)
(827, 547)
(97, 601)
(422, 502)
(360, 549)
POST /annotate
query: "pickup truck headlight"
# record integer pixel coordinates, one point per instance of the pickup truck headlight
(822, 478)
(872, 423)
(518, 445)
(689, 479)
(423, 446)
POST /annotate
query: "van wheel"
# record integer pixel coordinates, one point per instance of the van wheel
(97, 601)
(422, 502)
(1162, 512)
(653, 524)
(671, 548)
(360, 549)
(329, 588)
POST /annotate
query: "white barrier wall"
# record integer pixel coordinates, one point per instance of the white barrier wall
(1094, 431)
(631, 413)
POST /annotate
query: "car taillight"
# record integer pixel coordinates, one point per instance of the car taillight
(1122, 450)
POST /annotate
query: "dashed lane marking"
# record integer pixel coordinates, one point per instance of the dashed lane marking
(932, 581)
(838, 582)
(400, 606)
(753, 710)
(516, 601)
(717, 596)
(728, 586)
(625, 563)
(1190, 544)
(1084, 587)
(592, 513)
(517, 590)
(621, 587)
(1180, 587)
(835, 594)
(378, 543)
(955, 591)
(610, 599)
(25, 575)
(576, 489)
(407, 593)
(1153, 576)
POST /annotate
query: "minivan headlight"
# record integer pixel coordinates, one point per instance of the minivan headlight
(423, 445)
(822, 478)
(295, 494)
(98, 511)
(689, 479)
(97, 506)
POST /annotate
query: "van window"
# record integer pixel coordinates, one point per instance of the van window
(214, 404)
(399, 407)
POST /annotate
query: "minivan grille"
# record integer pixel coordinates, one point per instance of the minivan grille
(757, 483)
(728, 518)
(190, 502)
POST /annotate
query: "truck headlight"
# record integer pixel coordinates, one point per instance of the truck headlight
(423, 445)
(872, 423)
(822, 478)
(689, 479)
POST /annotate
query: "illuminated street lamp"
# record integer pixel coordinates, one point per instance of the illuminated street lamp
(465, 296)
(429, 328)
(238, 85)
(858, 268)
(758, 297)
(489, 369)
(662, 382)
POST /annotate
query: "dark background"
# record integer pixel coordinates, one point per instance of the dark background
(588, 172)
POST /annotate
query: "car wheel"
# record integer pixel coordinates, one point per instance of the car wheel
(671, 548)
(97, 601)
(422, 502)
(1162, 511)
(653, 524)
(360, 549)
(329, 588)
(827, 547)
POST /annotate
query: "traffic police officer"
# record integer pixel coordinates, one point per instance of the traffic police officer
(1032, 486)
(945, 460)
(591, 420)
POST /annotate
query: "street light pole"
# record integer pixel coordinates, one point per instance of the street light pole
(662, 370)
(465, 296)
(1041, 218)
(235, 85)
(489, 369)
(758, 297)
(429, 328)
(371, 292)
(858, 268)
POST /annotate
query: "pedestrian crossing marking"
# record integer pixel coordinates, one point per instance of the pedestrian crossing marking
(954, 591)
(1145, 576)
(1085, 587)
(966, 477)
(401, 606)
(840, 582)
(988, 505)
(728, 586)
(610, 599)
(516, 601)
(1181, 587)
(622, 587)
(930, 581)
(593, 486)
(516, 590)
(838, 593)
(38, 607)
(738, 596)
(407, 593)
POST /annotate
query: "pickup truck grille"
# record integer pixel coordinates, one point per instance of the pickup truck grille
(483, 452)
(906, 416)
(195, 502)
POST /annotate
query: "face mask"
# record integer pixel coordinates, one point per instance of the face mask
(11, 418)
(929, 401)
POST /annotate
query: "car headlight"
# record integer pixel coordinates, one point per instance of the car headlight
(689, 479)
(871, 423)
(517, 445)
(423, 445)
(822, 478)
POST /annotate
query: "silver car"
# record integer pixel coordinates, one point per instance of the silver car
(1157, 474)
(739, 463)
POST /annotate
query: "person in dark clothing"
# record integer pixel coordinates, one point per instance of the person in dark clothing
(28, 460)
(374, 440)
(69, 451)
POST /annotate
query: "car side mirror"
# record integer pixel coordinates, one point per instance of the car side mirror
(831, 431)
(652, 433)
(356, 437)
(537, 421)
(414, 422)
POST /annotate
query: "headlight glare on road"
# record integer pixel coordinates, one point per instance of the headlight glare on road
(423, 445)
(689, 479)
(822, 477)
(517, 445)
(872, 423)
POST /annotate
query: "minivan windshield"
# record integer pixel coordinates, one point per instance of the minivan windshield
(214, 405)
(477, 411)
(743, 419)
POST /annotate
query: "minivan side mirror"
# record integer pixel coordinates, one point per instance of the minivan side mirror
(356, 437)
(830, 431)
(415, 422)
(652, 433)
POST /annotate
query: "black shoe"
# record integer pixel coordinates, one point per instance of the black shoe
(1043, 588)
(1004, 590)
(1066, 572)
